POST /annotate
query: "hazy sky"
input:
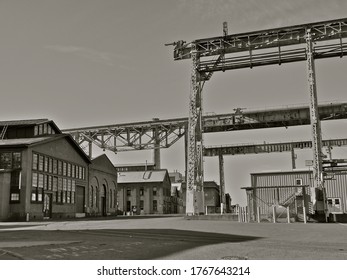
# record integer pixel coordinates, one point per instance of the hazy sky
(97, 62)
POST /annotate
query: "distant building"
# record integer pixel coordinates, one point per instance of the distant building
(176, 177)
(145, 192)
(212, 196)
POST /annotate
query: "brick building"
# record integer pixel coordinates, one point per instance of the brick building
(102, 192)
(45, 174)
(144, 192)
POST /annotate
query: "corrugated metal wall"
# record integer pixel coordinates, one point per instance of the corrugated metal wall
(265, 197)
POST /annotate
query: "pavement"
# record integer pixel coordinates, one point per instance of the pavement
(172, 238)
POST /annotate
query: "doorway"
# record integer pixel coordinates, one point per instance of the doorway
(47, 206)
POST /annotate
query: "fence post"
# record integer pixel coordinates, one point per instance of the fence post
(288, 215)
(239, 214)
(258, 214)
(274, 213)
(246, 214)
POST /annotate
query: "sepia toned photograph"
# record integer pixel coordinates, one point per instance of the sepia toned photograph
(171, 130)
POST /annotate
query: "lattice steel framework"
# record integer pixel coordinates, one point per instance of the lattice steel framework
(266, 47)
(142, 135)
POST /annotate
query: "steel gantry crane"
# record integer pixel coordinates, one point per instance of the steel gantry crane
(248, 50)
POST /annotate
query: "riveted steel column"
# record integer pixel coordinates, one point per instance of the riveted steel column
(221, 182)
(156, 150)
(194, 195)
(315, 125)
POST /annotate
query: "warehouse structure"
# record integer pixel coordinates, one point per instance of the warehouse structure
(45, 174)
(292, 190)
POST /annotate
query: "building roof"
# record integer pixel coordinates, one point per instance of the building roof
(23, 141)
(23, 122)
(103, 163)
(31, 122)
(150, 176)
(301, 170)
(134, 164)
(26, 142)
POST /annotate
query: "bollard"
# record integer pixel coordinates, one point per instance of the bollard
(27, 217)
(239, 213)
(288, 215)
(258, 214)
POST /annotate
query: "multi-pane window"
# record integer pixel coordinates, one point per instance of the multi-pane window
(61, 185)
(128, 192)
(6, 160)
(55, 166)
(43, 129)
(155, 205)
(46, 162)
(142, 191)
(60, 167)
(154, 191)
(69, 170)
(64, 168)
(141, 204)
(16, 160)
(40, 163)
(35, 161)
(15, 186)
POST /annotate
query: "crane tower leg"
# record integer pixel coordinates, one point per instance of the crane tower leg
(318, 186)
(194, 195)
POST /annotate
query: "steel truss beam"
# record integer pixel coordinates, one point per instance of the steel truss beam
(141, 136)
(247, 149)
(266, 47)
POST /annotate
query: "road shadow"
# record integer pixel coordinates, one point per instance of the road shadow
(113, 244)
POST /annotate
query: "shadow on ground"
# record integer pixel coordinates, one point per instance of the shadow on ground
(129, 244)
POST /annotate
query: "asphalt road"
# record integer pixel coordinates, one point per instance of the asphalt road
(170, 238)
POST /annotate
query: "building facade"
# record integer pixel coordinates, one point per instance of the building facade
(144, 192)
(45, 174)
(102, 191)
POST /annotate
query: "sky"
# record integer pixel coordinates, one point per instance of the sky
(86, 62)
